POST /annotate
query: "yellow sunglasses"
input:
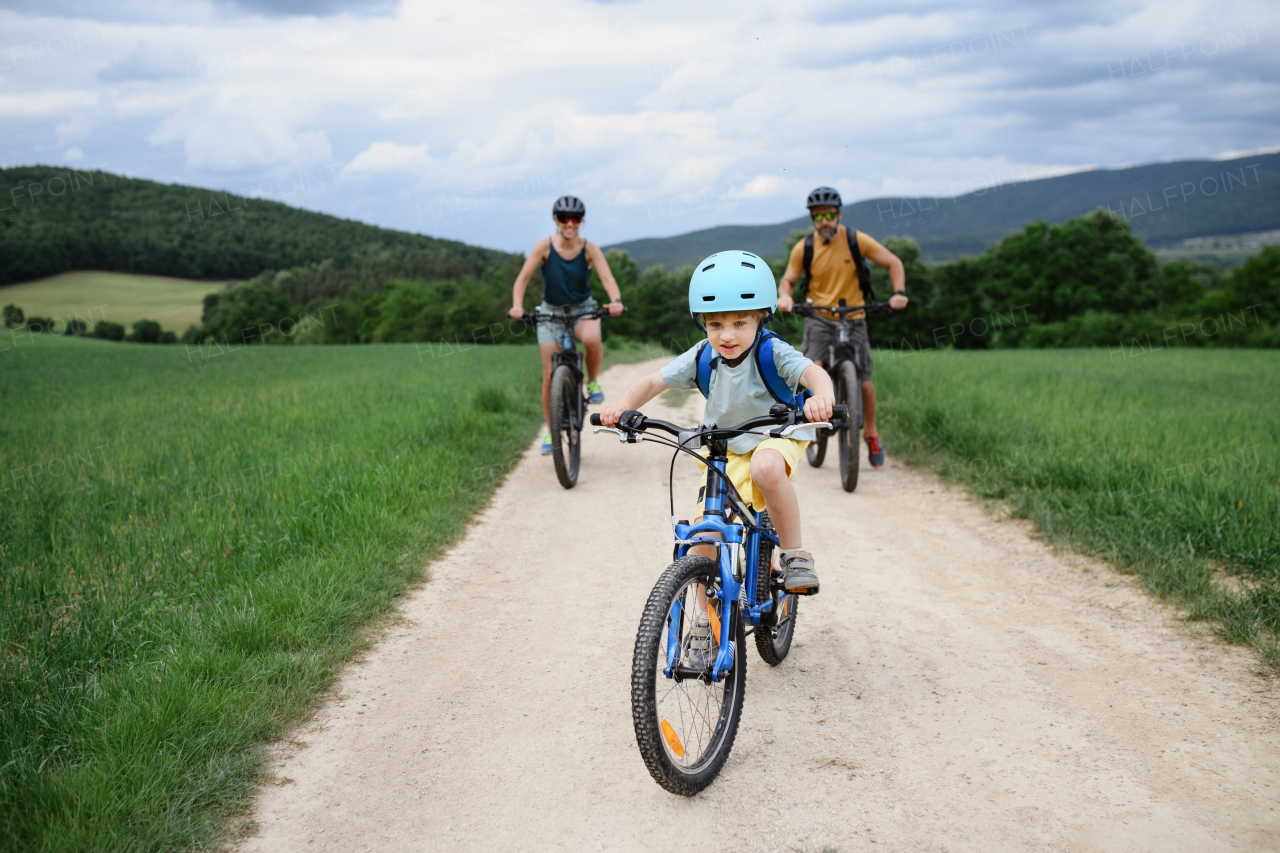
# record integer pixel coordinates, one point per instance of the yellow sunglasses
(825, 217)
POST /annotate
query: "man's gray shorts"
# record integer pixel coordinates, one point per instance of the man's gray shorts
(550, 332)
(820, 335)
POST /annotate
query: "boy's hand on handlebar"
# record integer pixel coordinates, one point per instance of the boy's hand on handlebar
(786, 303)
(611, 413)
(818, 408)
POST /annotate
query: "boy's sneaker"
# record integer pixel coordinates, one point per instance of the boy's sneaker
(800, 578)
(546, 444)
(875, 453)
(596, 395)
(698, 651)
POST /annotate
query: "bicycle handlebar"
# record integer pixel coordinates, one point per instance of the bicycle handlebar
(634, 422)
(842, 310)
(594, 314)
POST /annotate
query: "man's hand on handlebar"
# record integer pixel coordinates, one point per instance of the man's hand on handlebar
(817, 408)
(898, 301)
(785, 303)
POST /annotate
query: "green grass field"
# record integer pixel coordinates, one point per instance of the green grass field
(123, 298)
(1165, 462)
(191, 543)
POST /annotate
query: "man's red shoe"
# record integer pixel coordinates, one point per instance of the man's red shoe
(875, 453)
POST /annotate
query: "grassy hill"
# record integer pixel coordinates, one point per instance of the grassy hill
(1165, 203)
(55, 220)
(174, 303)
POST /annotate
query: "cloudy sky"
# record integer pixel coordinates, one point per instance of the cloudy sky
(466, 119)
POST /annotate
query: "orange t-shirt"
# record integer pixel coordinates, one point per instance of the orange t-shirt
(832, 275)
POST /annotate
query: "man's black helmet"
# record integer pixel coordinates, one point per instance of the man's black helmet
(824, 197)
(570, 204)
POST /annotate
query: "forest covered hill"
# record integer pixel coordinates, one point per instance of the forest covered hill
(54, 220)
(1164, 203)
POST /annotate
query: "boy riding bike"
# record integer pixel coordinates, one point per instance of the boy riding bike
(732, 295)
(832, 262)
(566, 260)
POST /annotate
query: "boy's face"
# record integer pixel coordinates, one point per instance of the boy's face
(731, 334)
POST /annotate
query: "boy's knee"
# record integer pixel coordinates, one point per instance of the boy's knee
(768, 467)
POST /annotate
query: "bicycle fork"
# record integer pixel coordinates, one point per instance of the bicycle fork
(729, 548)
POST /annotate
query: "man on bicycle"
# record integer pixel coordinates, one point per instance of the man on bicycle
(833, 275)
(566, 260)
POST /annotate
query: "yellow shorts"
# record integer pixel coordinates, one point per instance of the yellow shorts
(739, 469)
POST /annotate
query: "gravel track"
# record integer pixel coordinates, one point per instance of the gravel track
(957, 686)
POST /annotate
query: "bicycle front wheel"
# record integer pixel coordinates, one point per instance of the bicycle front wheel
(778, 626)
(685, 721)
(566, 435)
(849, 393)
(817, 449)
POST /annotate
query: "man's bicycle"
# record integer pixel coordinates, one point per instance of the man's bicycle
(568, 393)
(844, 365)
(689, 667)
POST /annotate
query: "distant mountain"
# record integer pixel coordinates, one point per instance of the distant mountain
(1164, 202)
(55, 219)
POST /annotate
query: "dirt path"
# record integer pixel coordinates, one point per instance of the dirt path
(955, 687)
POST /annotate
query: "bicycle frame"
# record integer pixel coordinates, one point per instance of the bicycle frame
(729, 546)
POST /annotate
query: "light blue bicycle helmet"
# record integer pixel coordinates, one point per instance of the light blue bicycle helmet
(732, 281)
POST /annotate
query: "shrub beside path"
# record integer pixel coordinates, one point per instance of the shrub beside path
(956, 685)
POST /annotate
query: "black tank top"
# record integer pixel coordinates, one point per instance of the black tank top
(566, 282)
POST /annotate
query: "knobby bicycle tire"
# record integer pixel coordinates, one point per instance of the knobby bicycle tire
(656, 735)
(849, 392)
(816, 452)
(778, 627)
(566, 438)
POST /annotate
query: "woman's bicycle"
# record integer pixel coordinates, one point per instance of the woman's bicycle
(844, 365)
(568, 393)
(689, 667)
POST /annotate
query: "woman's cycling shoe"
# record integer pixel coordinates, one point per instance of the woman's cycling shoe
(875, 453)
(546, 445)
(800, 577)
(596, 395)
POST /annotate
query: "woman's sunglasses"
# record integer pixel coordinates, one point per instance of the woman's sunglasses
(568, 220)
(825, 217)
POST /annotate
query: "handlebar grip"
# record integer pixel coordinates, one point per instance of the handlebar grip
(839, 411)
(595, 419)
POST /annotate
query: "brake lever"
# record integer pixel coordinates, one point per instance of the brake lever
(624, 437)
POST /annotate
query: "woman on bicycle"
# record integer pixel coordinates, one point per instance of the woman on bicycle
(566, 260)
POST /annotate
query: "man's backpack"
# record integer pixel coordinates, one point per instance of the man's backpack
(859, 263)
(763, 354)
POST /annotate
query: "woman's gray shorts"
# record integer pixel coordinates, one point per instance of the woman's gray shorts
(551, 331)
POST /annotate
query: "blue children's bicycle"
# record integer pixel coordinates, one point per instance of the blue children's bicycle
(689, 668)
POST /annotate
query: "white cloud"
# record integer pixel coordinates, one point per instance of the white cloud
(73, 155)
(665, 116)
(383, 157)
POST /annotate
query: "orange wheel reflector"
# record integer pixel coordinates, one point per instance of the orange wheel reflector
(672, 740)
(715, 623)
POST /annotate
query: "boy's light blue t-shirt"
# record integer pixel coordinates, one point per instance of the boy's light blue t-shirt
(739, 394)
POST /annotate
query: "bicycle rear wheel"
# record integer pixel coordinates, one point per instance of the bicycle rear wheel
(773, 637)
(566, 434)
(849, 393)
(685, 723)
